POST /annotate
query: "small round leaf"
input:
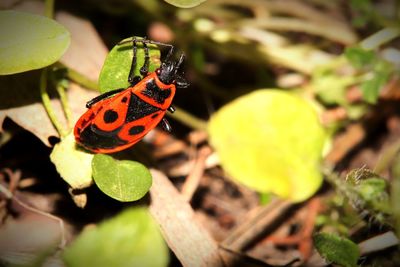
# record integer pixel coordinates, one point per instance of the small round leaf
(115, 71)
(185, 3)
(130, 239)
(66, 156)
(271, 141)
(29, 42)
(123, 180)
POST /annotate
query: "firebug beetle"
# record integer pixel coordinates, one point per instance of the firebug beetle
(120, 118)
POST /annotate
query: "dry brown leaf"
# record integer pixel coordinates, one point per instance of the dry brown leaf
(190, 242)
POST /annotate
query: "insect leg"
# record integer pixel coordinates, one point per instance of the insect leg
(90, 103)
(145, 68)
(132, 79)
(165, 125)
(147, 41)
(171, 109)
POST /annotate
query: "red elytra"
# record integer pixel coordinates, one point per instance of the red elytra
(118, 119)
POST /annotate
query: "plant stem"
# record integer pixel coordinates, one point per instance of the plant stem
(47, 104)
(82, 79)
(49, 9)
(64, 103)
(379, 38)
(189, 120)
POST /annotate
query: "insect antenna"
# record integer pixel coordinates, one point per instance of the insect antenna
(180, 61)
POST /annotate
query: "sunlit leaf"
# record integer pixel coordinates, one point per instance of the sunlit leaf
(271, 141)
(66, 156)
(336, 249)
(115, 71)
(124, 180)
(29, 42)
(130, 239)
(185, 3)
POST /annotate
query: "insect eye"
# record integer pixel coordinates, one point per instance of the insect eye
(158, 71)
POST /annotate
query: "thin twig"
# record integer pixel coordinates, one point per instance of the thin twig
(304, 237)
(261, 222)
(381, 37)
(193, 179)
(377, 243)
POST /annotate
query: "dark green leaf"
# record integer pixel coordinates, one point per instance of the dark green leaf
(29, 42)
(130, 239)
(185, 3)
(123, 180)
(115, 71)
(337, 249)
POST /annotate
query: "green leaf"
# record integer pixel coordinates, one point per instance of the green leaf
(271, 141)
(115, 71)
(123, 180)
(331, 88)
(379, 77)
(185, 3)
(338, 250)
(130, 239)
(66, 156)
(29, 42)
(359, 57)
(373, 192)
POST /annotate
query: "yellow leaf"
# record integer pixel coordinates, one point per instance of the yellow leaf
(271, 141)
(72, 163)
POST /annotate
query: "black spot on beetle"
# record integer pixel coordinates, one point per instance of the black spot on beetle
(110, 116)
(155, 115)
(138, 109)
(124, 99)
(94, 138)
(153, 91)
(136, 129)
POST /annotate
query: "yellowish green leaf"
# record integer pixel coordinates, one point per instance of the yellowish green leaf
(271, 141)
(72, 163)
(131, 238)
(29, 41)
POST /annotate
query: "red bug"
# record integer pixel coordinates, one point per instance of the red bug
(120, 118)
